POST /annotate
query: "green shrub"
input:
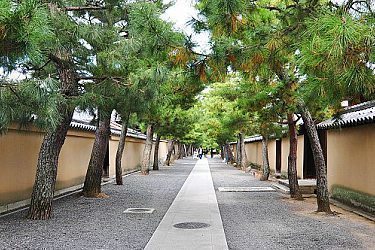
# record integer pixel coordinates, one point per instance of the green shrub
(354, 198)
(255, 166)
(284, 175)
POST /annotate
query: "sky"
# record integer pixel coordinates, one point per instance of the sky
(181, 13)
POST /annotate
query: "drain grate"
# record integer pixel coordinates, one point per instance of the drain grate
(191, 225)
(246, 189)
(137, 210)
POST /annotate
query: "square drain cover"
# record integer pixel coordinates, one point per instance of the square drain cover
(139, 210)
(246, 189)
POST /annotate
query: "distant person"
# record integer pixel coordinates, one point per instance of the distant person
(200, 153)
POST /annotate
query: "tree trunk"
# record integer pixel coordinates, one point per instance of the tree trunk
(292, 159)
(228, 150)
(156, 153)
(181, 151)
(222, 154)
(170, 150)
(120, 150)
(145, 165)
(45, 180)
(44, 186)
(320, 165)
(266, 164)
(93, 180)
(238, 152)
(243, 154)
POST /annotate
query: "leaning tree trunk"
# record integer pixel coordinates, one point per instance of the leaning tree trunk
(44, 185)
(266, 163)
(170, 150)
(292, 159)
(120, 150)
(156, 153)
(243, 154)
(93, 180)
(145, 165)
(320, 165)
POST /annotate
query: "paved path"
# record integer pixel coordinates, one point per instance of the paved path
(196, 202)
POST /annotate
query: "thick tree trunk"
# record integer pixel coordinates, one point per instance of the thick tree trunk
(229, 153)
(266, 164)
(44, 185)
(292, 159)
(120, 150)
(179, 150)
(92, 185)
(222, 154)
(156, 153)
(170, 150)
(320, 165)
(145, 165)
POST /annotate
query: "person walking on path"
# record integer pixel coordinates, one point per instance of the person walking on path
(200, 152)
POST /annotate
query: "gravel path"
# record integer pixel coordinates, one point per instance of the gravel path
(82, 223)
(269, 220)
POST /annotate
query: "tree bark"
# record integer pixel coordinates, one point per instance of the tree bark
(238, 152)
(46, 173)
(145, 165)
(222, 154)
(179, 150)
(170, 150)
(320, 165)
(44, 186)
(243, 154)
(229, 153)
(156, 153)
(120, 150)
(292, 159)
(266, 164)
(93, 180)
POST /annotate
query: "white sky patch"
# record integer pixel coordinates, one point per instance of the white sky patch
(14, 75)
(180, 14)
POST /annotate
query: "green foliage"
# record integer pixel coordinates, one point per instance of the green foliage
(37, 103)
(354, 198)
(336, 50)
(25, 29)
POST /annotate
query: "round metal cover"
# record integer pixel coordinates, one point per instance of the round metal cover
(191, 225)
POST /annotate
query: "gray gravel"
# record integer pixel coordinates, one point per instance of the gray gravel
(82, 223)
(256, 220)
(265, 220)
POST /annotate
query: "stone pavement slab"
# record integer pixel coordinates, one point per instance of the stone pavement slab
(196, 202)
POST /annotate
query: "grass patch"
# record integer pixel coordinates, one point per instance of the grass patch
(255, 166)
(284, 175)
(354, 198)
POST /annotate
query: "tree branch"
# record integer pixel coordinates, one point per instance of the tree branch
(80, 8)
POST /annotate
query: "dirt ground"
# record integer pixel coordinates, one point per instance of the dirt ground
(362, 228)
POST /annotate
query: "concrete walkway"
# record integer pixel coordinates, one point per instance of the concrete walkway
(196, 202)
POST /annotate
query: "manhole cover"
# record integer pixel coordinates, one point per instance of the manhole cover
(246, 189)
(139, 211)
(191, 225)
